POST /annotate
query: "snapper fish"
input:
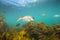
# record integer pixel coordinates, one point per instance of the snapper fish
(26, 18)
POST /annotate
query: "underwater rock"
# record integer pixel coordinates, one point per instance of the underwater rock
(57, 30)
(33, 29)
(57, 27)
(38, 27)
(3, 25)
(39, 30)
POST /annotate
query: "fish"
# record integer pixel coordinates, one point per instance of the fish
(43, 14)
(26, 18)
(56, 16)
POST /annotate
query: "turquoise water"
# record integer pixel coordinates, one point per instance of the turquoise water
(49, 8)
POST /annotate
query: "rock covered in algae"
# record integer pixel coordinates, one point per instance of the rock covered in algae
(57, 27)
(57, 30)
(3, 25)
(39, 30)
(39, 27)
